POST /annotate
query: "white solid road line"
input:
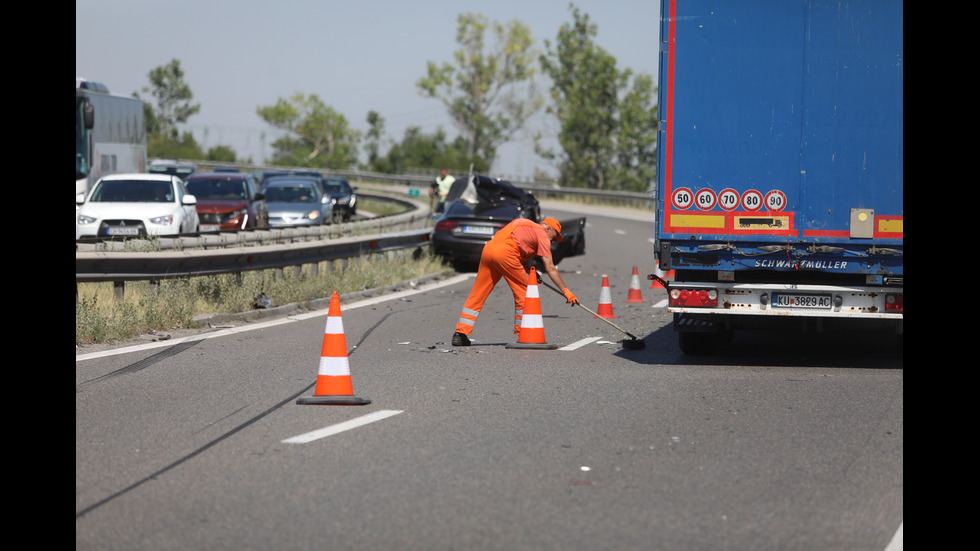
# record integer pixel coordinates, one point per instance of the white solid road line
(341, 427)
(579, 344)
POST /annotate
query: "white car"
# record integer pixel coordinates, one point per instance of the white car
(136, 205)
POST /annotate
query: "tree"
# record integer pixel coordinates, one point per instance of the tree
(172, 98)
(607, 118)
(636, 137)
(171, 106)
(489, 96)
(427, 151)
(318, 136)
(172, 146)
(222, 154)
(374, 137)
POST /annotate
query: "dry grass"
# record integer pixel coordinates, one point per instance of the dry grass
(100, 317)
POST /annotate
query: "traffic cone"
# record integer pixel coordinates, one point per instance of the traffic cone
(635, 295)
(333, 383)
(531, 334)
(605, 309)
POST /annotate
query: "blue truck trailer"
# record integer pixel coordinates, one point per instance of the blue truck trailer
(779, 187)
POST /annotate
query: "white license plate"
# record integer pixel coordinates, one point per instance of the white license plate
(123, 231)
(801, 301)
(479, 230)
(210, 228)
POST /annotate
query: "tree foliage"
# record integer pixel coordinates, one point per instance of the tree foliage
(171, 106)
(171, 99)
(317, 135)
(489, 95)
(607, 118)
(418, 150)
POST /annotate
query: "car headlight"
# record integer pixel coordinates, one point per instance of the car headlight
(85, 220)
(312, 215)
(165, 220)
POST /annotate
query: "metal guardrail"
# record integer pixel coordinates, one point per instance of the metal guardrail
(214, 254)
(122, 266)
(541, 190)
(282, 248)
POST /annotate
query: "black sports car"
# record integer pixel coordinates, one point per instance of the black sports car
(343, 198)
(478, 206)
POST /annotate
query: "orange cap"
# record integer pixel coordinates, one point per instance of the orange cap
(555, 225)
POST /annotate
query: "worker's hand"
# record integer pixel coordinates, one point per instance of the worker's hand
(570, 296)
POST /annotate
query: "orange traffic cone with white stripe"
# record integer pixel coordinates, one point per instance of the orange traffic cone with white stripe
(635, 295)
(333, 382)
(605, 309)
(531, 334)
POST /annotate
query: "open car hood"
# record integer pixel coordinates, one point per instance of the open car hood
(483, 196)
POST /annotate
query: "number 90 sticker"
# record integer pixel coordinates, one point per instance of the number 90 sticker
(775, 200)
(682, 198)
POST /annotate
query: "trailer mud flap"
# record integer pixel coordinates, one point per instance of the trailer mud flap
(687, 324)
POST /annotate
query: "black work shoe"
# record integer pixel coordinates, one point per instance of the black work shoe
(460, 339)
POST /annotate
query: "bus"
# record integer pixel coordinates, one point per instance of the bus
(110, 135)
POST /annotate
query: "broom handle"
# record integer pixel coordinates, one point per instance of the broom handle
(579, 304)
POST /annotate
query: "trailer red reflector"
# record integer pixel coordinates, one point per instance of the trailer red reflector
(894, 303)
(694, 297)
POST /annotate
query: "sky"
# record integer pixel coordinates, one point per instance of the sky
(357, 56)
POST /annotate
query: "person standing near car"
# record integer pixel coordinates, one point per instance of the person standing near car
(508, 254)
(440, 189)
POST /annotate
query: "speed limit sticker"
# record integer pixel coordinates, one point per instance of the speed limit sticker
(775, 200)
(751, 200)
(706, 199)
(682, 198)
(728, 199)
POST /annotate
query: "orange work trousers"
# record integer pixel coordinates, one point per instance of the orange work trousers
(500, 258)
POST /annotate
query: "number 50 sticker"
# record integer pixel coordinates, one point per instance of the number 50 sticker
(775, 200)
(682, 198)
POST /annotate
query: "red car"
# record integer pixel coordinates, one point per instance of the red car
(228, 201)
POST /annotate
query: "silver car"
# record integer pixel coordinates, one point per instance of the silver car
(296, 201)
(136, 205)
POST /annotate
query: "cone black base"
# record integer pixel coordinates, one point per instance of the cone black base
(533, 345)
(333, 400)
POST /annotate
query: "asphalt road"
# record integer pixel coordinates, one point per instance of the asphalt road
(786, 442)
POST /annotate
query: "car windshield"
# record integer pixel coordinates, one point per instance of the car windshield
(133, 191)
(290, 194)
(332, 188)
(216, 189)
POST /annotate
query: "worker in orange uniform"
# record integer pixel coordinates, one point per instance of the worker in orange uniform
(509, 255)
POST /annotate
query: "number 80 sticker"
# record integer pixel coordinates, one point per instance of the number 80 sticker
(751, 200)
